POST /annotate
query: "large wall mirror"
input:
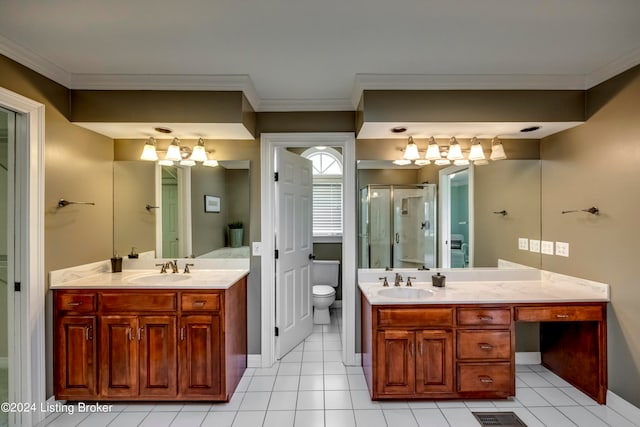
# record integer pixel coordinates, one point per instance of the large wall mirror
(455, 217)
(178, 212)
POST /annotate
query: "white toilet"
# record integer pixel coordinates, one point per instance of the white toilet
(324, 279)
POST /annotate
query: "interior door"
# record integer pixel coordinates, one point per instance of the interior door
(170, 236)
(294, 190)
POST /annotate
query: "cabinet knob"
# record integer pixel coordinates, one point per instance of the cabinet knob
(485, 346)
(485, 379)
(562, 316)
(74, 303)
(484, 317)
(199, 303)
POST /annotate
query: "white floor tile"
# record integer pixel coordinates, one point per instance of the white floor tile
(529, 398)
(370, 418)
(273, 370)
(312, 356)
(218, 419)
(308, 400)
(313, 346)
(312, 368)
(286, 383)
(283, 401)
(551, 416)
(579, 396)
(422, 404)
(262, 383)
(581, 416)
(309, 419)
(279, 419)
(331, 337)
(526, 416)
(459, 417)
(394, 404)
(610, 416)
(289, 369)
(98, 420)
(292, 357)
(430, 418)
(311, 382)
(400, 417)
(479, 404)
(158, 419)
(332, 356)
(337, 399)
(357, 382)
(244, 383)
(299, 347)
(555, 396)
(532, 379)
(66, 420)
(188, 419)
(362, 400)
(336, 382)
(139, 407)
(354, 370)
(249, 372)
(248, 419)
(316, 336)
(255, 401)
(331, 368)
(129, 419)
(523, 368)
(231, 406)
(339, 418)
(554, 379)
(510, 402)
(451, 404)
(168, 407)
(332, 345)
(538, 368)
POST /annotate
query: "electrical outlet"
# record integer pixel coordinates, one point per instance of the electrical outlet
(562, 249)
(546, 247)
(534, 245)
(523, 244)
(257, 248)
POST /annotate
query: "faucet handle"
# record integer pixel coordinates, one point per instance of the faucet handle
(186, 268)
(409, 280)
(398, 279)
(163, 267)
(386, 282)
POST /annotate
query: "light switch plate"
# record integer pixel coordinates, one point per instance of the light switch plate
(546, 247)
(257, 248)
(534, 245)
(523, 244)
(562, 249)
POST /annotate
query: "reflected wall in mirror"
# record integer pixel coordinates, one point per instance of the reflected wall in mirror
(474, 235)
(162, 209)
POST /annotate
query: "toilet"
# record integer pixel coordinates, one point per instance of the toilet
(324, 279)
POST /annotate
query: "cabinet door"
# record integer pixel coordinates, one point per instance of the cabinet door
(158, 356)
(396, 362)
(434, 361)
(200, 373)
(75, 357)
(118, 356)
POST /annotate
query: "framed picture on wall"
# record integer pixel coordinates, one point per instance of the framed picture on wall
(211, 204)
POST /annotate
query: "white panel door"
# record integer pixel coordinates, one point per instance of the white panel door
(294, 189)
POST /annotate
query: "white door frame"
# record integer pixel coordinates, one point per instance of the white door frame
(268, 144)
(26, 317)
(444, 253)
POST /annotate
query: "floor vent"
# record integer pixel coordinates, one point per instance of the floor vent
(502, 419)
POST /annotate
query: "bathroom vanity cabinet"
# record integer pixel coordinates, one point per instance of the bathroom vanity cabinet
(149, 344)
(467, 351)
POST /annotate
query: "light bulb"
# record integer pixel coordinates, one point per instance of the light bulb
(411, 151)
(149, 150)
(173, 152)
(433, 151)
(199, 154)
(455, 152)
(476, 150)
(497, 150)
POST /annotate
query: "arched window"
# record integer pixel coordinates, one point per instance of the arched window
(327, 190)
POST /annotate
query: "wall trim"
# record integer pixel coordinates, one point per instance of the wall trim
(254, 360)
(612, 69)
(623, 407)
(528, 358)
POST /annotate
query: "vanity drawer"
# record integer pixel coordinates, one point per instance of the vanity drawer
(484, 316)
(138, 302)
(418, 317)
(200, 302)
(84, 302)
(478, 344)
(476, 377)
(560, 313)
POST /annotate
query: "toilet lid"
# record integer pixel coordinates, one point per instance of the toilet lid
(323, 290)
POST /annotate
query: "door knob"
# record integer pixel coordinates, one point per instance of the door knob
(312, 256)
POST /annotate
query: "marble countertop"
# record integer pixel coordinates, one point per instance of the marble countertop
(151, 279)
(550, 288)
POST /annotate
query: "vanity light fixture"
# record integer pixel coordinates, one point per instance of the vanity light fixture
(199, 154)
(212, 163)
(497, 150)
(149, 151)
(442, 162)
(411, 150)
(401, 162)
(173, 152)
(476, 150)
(455, 152)
(433, 151)
(422, 162)
(461, 162)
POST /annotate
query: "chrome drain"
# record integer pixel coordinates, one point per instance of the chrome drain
(502, 419)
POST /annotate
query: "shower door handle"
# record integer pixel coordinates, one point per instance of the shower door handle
(397, 237)
(312, 256)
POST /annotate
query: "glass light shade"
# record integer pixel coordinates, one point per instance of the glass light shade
(401, 162)
(199, 154)
(165, 162)
(420, 162)
(461, 162)
(212, 163)
(481, 162)
(476, 150)
(187, 162)
(497, 150)
(442, 162)
(433, 151)
(173, 152)
(149, 151)
(455, 152)
(411, 151)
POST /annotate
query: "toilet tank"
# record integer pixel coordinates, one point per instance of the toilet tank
(325, 272)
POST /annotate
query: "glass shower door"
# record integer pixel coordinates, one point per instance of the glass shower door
(379, 227)
(414, 227)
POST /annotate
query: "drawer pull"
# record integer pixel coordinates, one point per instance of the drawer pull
(411, 348)
(485, 379)
(199, 303)
(181, 334)
(562, 316)
(76, 303)
(130, 335)
(87, 333)
(485, 318)
(485, 346)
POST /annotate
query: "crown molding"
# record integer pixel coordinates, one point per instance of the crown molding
(612, 69)
(35, 62)
(320, 104)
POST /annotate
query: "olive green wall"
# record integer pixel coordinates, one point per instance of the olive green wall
(596, 164)
(209, 229)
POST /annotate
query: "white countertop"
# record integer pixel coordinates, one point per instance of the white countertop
(550, 288)
(152, 279)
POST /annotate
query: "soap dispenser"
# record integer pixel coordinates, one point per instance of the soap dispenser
(438, 280)
(133, 254)
(116, 263)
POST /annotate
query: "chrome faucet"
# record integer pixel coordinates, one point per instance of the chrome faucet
(186, 268)
(174, 266)
(409, 280)
(386, 282)
(398, 279)
(163, 268)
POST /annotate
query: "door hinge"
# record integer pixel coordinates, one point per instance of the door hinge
(277, 331)
(275, 177)
(16, 286)
(277, 253)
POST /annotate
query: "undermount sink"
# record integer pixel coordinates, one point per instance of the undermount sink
(159, 279)
(405, 293)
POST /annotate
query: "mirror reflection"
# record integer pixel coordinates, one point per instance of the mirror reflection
(179, 211)
(448, 217)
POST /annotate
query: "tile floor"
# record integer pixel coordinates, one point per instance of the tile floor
(310, 387)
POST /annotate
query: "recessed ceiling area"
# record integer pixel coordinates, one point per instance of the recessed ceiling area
(180, 130)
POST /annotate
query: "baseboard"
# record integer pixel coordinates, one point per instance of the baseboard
(621, 406)
(528, 358)
(254, 360)
(337, 304)
(4, 362)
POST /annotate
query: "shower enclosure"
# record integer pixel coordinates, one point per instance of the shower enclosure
(397, 226)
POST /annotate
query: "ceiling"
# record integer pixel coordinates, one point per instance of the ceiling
(318, 55)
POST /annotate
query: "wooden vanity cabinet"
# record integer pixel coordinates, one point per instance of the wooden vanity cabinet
(149, 344)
